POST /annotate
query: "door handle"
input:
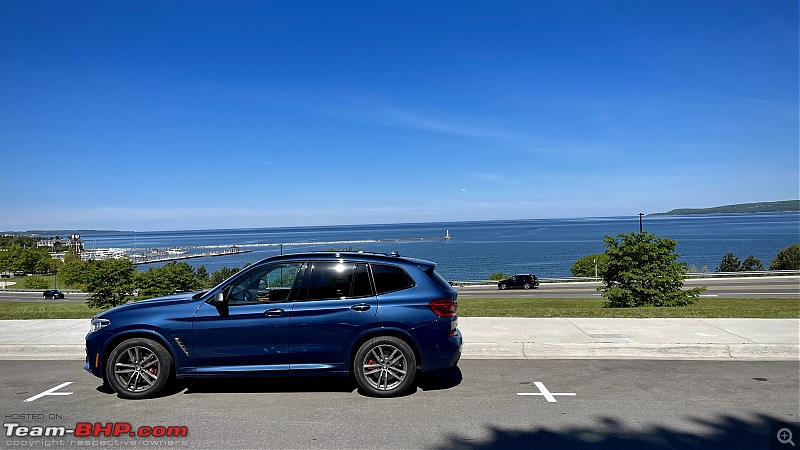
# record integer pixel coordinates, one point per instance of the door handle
(275, 312)
(361, 307)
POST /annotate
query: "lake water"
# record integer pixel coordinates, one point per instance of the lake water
(545, 247)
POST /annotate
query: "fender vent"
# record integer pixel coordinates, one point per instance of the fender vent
(183, 347)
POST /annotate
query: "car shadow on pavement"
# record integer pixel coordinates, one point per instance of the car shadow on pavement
(426, 381)
(438, 380)
(263, 385)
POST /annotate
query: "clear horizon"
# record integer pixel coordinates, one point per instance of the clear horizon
(155, 116)
(633, 218)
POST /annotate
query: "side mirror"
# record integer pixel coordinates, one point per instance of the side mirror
(219, 299)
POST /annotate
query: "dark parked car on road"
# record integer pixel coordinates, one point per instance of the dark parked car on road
(524, 281)
(52, 293)
(378, 318)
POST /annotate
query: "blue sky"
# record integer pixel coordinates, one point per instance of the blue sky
(191, 115)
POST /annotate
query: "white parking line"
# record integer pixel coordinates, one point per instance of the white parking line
(543, 391)
(51, 391)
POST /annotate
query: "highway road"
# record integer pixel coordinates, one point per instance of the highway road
(751, 287)
(503, 404)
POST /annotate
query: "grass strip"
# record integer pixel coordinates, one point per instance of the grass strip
(705, 308)
(39, 310)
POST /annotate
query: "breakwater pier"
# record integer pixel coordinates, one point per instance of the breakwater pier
(159, 255)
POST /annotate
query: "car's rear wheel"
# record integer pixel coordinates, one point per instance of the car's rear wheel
(526, 286)
(385, 366)
(138, 368)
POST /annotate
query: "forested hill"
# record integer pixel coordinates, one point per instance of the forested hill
(782, 206)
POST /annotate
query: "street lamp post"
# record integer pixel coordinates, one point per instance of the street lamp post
(640, 222)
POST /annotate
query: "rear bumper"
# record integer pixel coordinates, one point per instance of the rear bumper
(442, 353)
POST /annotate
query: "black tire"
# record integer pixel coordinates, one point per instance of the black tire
(502, 286)
(138, 368)
(385, 366)
(526, 286)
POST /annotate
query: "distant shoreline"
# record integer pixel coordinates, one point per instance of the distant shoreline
(781, 206)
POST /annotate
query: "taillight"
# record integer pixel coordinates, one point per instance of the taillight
(444, 307)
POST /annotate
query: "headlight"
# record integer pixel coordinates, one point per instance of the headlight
(98, 324)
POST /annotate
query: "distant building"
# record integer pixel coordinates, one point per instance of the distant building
(103, 253)
(51, 242)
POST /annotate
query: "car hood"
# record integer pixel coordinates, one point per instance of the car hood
(151, 303)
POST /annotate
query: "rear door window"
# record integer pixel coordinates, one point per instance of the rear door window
(330, 280)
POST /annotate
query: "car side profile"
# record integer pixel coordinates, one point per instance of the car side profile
(378, 318)
(524, 281)
(52, 293)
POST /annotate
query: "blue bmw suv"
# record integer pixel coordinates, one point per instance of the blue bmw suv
(379, 318)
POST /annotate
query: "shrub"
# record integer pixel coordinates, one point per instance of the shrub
(584, 267)
(642, 270)
(35, 282)
(787, 259)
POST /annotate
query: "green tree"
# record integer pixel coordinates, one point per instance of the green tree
(642, 270)
(787, 259)
(35, 282)
(110, 282)
(73, 272)
(496, 276)
(171, 278)
(751, 264)
(730, 263)
(584, 267)
(221, 275)
(202, 274)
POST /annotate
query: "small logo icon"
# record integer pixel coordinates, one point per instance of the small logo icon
(785, 436)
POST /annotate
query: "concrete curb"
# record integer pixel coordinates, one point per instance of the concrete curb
(605, 350)
(42, 351)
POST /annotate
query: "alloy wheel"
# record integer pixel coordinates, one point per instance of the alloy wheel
(137, 369)
(385, 367)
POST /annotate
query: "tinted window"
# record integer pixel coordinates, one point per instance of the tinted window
(390, 278)
(335, 280)
(441, 282)
(271, 283)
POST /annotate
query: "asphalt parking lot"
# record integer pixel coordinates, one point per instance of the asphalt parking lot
(619, 404)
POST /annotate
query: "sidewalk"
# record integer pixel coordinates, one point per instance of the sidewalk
(513, 338)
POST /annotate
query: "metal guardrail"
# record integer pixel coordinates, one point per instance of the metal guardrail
(761, 273)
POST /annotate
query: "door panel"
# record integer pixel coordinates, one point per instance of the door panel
(241, 338)
(335, 304)
(249, 330)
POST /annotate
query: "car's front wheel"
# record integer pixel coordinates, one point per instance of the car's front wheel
(502, 286)
(138, 368)
(385, 366)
